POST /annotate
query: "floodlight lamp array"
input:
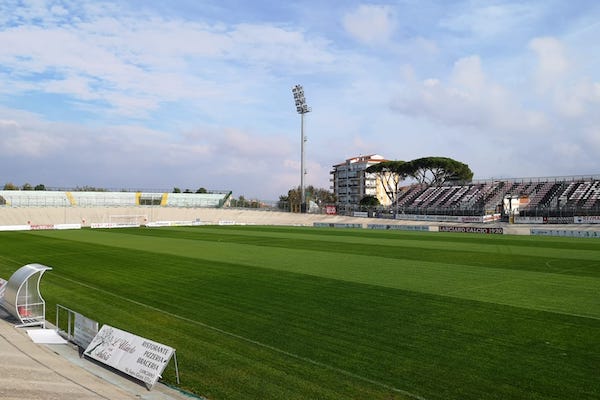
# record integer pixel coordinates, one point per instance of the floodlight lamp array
(299, 100)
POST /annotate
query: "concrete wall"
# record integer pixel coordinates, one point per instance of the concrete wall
(89, 215)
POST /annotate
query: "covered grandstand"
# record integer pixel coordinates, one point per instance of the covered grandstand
(47, 198)
(526, 197)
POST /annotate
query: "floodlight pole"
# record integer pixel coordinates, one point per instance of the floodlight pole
(302, 168)
(302, 108)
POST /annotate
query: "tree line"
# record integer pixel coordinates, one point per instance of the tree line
(26, 186)
(199, 190)
(425, 170)
(292, 200)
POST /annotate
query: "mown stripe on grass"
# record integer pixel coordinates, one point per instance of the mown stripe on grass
(536, 290)
(551, 242)
(404, 246)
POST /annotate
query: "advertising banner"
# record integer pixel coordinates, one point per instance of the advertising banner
(529, 220)
(399, 227)
(136, 356)
(588, 219)
(565, 233)
(559, 220)
(475, 219)
(450, 218)
(104, 225)
(42, 227)
(335, 225)
(491, 218)
(159, 224)
(472, 229)
(15, 228)
(67, 226)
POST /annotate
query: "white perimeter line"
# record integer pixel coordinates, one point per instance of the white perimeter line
(257, 343)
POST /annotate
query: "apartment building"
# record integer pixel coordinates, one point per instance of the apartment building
(351, 182)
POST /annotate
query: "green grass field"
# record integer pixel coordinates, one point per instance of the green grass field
(315, 313)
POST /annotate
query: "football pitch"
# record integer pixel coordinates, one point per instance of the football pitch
(318, 313)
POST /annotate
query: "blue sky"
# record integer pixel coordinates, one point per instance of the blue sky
(158, 94)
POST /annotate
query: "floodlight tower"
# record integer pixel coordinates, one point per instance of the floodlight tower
(302, 108)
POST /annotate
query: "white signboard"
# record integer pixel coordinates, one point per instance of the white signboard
(113, 225)
(140, 358)
(588, 219)
(15, 228)
(158, 224)
(84, 331)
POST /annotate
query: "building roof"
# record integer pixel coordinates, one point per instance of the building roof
(366, 158)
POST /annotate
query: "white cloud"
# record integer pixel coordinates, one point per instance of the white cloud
(592, 136)
(488, 20)
(370, 24)
(272, 45)
(468, 74)
(571, 94)
(135, 65)
(468, 98)
(58, 10)
(8, 127)
(552, 61)
(545, 125)
(576, 100)
(29, 137)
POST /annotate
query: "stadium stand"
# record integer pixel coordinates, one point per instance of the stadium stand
(103, 199)
(196, 200)
(29, 198)
(537, 196)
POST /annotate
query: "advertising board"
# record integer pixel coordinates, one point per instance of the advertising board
(472, 229)
(15, 228)
(565, 233)
(105, 225)
(335, 225)
(588, 219)
(41, 227)
(159, 224)
(399, 227)
(330, 210)
(136, 356)
(529, 220)
(559, 220)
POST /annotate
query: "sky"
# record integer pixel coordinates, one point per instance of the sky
(183, 93)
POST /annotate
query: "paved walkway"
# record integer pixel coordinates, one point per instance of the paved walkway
(55, 372)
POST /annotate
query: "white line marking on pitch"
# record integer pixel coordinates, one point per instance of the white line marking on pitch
(252, 341)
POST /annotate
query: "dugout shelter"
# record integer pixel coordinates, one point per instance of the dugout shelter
(20, 296)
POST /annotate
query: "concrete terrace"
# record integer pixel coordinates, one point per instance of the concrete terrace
(55, 372)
